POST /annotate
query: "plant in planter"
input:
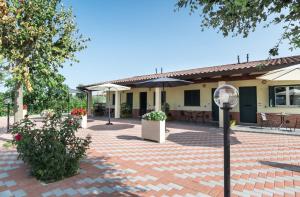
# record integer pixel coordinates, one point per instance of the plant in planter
(81, 116)
(52, 151)
(166, 108)
(153, 126)
(126, 110)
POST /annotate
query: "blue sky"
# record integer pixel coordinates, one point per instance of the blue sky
(133, 37)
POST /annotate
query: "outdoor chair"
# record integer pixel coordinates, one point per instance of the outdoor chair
(188, 116)
(264, 121)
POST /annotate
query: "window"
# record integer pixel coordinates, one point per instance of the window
(294, 93)
(192, 98)
(287, 95)
(280, 95)
(129, 99)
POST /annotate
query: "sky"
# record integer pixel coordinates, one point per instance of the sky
(133, 37)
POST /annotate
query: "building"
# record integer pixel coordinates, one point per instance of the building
(194, 102)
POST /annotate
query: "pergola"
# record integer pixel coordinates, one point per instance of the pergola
(107, 87)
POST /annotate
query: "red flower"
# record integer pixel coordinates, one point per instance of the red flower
(78, 112)
(18, 137)
(70, 122)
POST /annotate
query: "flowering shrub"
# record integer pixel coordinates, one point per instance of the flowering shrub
(52, 151)
(155, 116)
(25, 107)
(78, 112)
(47, 113)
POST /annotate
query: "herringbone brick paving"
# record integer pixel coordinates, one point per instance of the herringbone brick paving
(190, 163)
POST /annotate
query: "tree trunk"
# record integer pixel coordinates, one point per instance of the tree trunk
(18, 102)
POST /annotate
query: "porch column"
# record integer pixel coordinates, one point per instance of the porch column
(157, 99)
(117, 104)
(89, 103)
(221, 122)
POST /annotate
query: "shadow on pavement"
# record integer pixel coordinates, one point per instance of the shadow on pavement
(290, 167)
(111, 127)
(201, 138)
(129, 137)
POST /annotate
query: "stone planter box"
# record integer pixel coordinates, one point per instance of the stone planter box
(24, 112)
(82, 120)
(154, 130)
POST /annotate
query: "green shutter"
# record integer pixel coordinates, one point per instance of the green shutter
(271, 96)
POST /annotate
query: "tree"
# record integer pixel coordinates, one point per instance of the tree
(37, 37)
(240, 17)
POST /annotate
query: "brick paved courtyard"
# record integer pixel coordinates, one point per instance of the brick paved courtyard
(190, 163)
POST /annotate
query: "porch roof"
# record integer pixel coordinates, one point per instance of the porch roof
(237, 71)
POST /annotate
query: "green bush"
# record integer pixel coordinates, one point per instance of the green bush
(53, 152)
(155, 116)
(126, 110)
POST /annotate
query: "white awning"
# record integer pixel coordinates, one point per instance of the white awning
(291, 73)
(108, 87)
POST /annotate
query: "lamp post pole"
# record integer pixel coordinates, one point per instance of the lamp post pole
(8, 117)
(226, 107)
(226, 97)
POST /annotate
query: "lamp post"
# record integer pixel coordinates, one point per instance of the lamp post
(7, 102)
(226, 97)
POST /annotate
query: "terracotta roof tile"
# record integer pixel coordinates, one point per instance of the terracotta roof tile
(283, 61)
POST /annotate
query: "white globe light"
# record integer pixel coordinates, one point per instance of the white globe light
(226, 94)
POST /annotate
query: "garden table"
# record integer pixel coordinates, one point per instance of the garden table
(283, 121)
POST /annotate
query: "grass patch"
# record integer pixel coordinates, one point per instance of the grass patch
(8, 144)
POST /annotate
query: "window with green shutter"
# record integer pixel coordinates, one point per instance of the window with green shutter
(192, 98)
(271, 96)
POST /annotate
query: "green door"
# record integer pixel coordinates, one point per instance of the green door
(143, 103)
(248, 104)
(129, 101)
(215, 107)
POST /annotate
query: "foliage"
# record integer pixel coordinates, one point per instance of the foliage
(53, 151)
(166, 108)
(240, 17)
(77, 102)
(78, 112)
(126, 110)
(36, 38)
(155, 116)
(48, 92)
(3, 106)
(99, 99)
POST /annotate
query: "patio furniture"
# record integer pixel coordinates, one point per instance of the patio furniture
(264, 121)
(188, 115)
(110, 87)
(283, 122)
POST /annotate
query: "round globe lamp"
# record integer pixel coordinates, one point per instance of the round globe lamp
(226, 97)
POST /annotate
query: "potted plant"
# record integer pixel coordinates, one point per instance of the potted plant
(126, 110)
(81, 116)
(153, 126)
(25, 108)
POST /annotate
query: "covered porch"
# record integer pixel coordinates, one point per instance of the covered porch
(194, 102)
